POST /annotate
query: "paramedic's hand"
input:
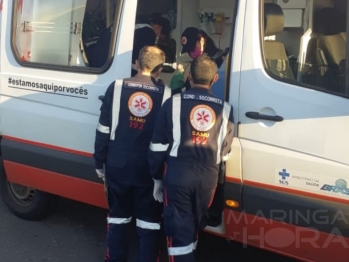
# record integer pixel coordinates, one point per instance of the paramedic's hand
(100, 173)
(157, 192)
(177, 81)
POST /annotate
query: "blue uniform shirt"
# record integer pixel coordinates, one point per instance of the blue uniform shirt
(127, 121)
(192, 127)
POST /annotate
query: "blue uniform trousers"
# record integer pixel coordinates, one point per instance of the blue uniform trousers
(185, 215)
(126, 201)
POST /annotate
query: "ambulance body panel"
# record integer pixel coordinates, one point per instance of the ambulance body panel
(286, 181)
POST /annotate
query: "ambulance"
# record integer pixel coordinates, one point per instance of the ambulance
(286, 74)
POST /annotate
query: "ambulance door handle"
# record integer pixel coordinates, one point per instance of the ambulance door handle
(101, 98)
(258, 116)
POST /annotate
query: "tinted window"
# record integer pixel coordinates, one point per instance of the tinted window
(71, 33)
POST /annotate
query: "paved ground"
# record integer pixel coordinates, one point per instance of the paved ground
(76, 233)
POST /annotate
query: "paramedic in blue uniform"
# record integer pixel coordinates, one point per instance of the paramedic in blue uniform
(193, 135)
(122, 141)
(146, 34)
(197, 42)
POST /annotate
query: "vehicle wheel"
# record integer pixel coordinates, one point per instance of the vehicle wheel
(25, 202)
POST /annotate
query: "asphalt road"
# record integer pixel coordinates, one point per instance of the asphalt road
(76, 233)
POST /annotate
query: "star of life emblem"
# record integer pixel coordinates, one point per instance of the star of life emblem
(202, 118)
(140, 104)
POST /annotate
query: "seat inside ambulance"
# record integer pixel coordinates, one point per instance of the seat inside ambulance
(327, 49)
(274, 51)
(331, 26)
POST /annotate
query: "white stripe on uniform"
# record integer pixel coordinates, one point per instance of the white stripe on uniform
(158, 147)
(147, 225)
(116, 107)
(176, 121)
(103, 129)
(139, 26)
(178, 251)
(119, 221)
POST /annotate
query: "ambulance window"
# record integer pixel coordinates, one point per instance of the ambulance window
(305, 43)
(67, 34)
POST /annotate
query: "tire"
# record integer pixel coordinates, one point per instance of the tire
(26, 203)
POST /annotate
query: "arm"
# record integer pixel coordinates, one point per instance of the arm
(103, 129)
(159, 143)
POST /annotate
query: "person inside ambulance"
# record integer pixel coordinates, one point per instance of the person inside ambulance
(193, 135)
(196, 42)
(167, 44)
(146, 33)
(122, 140)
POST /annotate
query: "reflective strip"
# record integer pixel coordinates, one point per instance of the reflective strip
(116, 107)
(158, 147)
(119, 221)
(223, 131)
(139, 26)
(177, 251)
(167, 94)
(103, 129)
(176, 121)
(195, 244)
(147, 225)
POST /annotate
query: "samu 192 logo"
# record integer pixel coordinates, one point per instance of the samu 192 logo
(140, 104)
(202, 118)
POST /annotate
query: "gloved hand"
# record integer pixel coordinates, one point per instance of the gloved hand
(101, 173)
(177, 81)
(157, 192)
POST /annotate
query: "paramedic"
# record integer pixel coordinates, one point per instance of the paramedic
(146, 34)
(122, 140)
(196, 42)
(193, 135)
(167, 44)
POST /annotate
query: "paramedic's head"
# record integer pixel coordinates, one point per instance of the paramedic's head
(150, 61)
(166, 31)
(195, 42)
(203, 72)
(158, 22)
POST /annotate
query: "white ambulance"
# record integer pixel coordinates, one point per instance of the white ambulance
(287, 76)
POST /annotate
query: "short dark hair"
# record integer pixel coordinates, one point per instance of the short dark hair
(158, 19)
(151, 58)
(203, 70)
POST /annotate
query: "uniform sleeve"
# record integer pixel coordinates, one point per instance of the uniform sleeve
(103, 129)
(228, 140)
(159, 143)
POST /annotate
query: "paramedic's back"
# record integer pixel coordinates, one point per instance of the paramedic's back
(122, 140)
